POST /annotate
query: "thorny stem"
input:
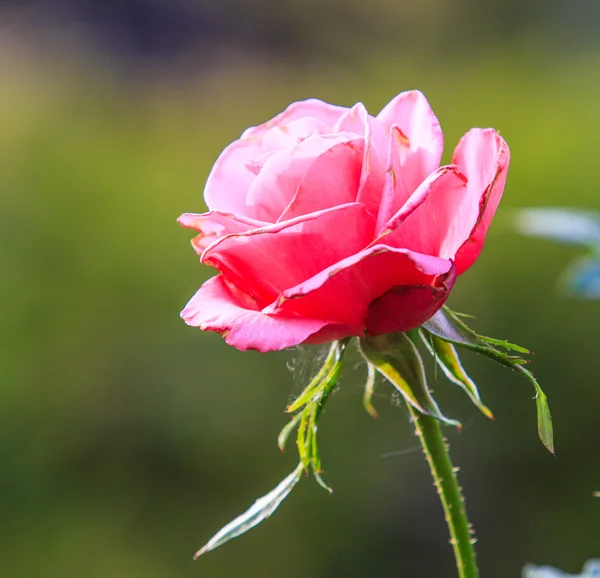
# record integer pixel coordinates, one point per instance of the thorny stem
(435, 448)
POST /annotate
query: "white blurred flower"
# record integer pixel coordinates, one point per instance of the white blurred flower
(590, 570)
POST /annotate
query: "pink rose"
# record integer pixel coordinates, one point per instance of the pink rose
(326, 222)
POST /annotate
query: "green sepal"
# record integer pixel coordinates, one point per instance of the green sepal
(369, 391)
(447, 359)
(258, 512)
(447, 326)
(329, 372)
(396, 357)
(545, 429)
(287, 430)
(309, 406)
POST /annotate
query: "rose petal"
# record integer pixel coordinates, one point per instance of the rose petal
(395, 190)
(411, 113)
(405, 307)
(483, 155)
(287, 136)
(344, 292)
(357, 120)
(431, 221)
(220, 307)
(276, 186)
(215, 224)
(332, 332)
(327, 113)
(332, 179)
(231, 177)
(266, 261)
(354, 120)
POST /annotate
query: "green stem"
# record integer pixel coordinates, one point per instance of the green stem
(435, 448)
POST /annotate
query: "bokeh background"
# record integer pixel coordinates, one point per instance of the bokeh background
(127, 438)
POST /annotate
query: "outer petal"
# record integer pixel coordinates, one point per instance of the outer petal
(327, 113)
(411, 113)
(332, 332)
(404, 308)
(343, 293)
(483, 155)
(431, 221)
(218, 306)
(215, 224)
(265, 262)
(231, 176)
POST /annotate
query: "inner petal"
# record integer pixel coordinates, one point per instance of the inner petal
(277, 183)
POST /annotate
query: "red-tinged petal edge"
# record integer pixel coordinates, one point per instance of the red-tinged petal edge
(484, 156)
(215, 224)
(421, 153)
(407, 307)
(344, 292)
(270, 260)
(436, 180)
(395, 191)
(330, 179)
(220, 307)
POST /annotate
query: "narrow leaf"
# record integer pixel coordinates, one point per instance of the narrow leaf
(285, 433)
(369, 391)
(448, 327)
(395, 356)
(447, 358)
(504, 343)
(322, 482)
(302, 439)
(545, 429)
(259, 511)
(325, 373)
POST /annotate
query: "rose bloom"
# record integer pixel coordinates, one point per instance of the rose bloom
(326, 222)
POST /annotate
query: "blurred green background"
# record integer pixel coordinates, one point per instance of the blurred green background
(128, 438)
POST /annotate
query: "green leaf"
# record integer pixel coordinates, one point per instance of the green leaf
(447, 359)
(448, 327)
(395, 356)
(259, 511)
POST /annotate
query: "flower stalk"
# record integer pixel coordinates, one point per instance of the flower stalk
(435, 448)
